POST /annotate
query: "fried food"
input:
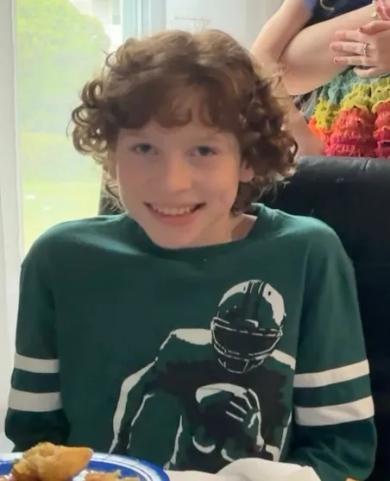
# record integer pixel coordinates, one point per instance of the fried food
(48, 462)
(98, 476)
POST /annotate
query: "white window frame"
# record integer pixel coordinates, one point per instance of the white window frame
(10, 205)
(142, 17)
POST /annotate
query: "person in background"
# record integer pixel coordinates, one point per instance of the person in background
(199, 328)
(341, 55)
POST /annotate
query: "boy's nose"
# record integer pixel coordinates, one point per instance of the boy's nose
(175, 174)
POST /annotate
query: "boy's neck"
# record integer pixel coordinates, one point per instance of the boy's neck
(242, 225)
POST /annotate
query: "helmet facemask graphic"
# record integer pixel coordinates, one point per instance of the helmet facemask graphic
(247, 326)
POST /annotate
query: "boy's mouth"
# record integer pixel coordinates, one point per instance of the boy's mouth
(174, 211)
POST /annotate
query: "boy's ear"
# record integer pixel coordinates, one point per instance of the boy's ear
(246, 172)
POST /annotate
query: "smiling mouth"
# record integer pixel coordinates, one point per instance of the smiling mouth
(171, 211)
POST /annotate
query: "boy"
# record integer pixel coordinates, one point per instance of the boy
(197, 328)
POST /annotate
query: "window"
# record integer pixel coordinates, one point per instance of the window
(58, 48)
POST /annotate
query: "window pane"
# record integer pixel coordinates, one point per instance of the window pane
(58, 48)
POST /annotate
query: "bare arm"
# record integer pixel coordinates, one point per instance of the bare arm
(267, 49)
(295, 123)
(308, 143)
(308, 61)
(277, 33)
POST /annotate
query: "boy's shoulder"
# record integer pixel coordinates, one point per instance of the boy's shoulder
(300, 234)
(78, 233)
(302, 228)
(82, 227)
(303, 236)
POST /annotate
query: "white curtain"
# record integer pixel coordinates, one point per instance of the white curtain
(10, 245)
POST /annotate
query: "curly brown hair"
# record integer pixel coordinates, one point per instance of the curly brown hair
(145, 79)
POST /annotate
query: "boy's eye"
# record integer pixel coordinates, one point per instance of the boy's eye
(204, 150)
(143, 148)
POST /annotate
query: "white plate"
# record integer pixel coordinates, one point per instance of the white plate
(143, 470)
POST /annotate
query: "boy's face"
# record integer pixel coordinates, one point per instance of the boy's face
(179, 183)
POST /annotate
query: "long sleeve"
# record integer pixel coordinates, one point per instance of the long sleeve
(333, 428)
(35, 412)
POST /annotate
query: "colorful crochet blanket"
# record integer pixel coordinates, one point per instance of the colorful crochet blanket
(352, 116)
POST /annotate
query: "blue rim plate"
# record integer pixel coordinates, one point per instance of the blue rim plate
(143, 470)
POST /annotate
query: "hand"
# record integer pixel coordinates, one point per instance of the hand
(383, 9)
(236, 405)
(238, 410)
(366, 48)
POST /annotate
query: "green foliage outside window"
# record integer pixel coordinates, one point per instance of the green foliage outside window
(58, 49)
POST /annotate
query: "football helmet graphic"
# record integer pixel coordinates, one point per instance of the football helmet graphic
(247, 326)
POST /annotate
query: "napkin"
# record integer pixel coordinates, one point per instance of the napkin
(250, 469)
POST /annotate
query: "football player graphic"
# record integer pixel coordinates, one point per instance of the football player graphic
(208, 389)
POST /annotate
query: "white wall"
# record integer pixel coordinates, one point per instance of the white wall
(228, 15)
(259, 11)
(241, 18)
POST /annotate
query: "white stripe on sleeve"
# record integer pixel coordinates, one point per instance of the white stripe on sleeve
(34, 402)
(332, 376)
(35, 365)
(335, 414)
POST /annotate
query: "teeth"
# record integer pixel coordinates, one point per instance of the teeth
(173, 211)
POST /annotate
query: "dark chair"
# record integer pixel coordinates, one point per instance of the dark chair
(352, 195)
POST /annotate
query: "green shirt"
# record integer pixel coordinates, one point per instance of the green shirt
(195, 357)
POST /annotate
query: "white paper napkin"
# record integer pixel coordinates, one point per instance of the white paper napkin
(201, 476)
(254, 469)
(250, 469)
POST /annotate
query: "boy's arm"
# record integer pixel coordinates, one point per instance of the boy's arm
(307, 62)
(35, 412)
(333, 429)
